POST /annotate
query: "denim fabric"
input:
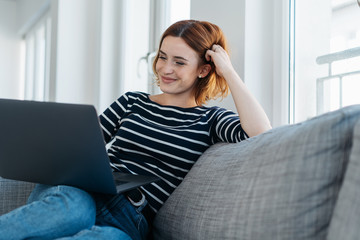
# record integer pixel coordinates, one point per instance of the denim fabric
(63, 212)
(118, 212)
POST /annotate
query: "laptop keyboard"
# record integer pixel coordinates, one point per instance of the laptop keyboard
(118, 178)
(119, 182)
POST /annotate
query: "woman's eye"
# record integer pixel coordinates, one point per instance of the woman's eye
(180, 63)
(162, 57)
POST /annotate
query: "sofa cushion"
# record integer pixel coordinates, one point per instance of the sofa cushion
(13, 194)
(346, 217)
(282, 184)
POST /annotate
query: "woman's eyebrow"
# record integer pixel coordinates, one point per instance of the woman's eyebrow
(177, 57)
(162, 52)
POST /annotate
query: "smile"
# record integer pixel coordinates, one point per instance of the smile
(167, 79)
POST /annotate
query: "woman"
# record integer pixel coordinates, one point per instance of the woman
(160, 135)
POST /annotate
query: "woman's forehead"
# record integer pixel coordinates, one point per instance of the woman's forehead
(176, 46)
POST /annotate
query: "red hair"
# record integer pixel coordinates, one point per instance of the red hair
(200, 36)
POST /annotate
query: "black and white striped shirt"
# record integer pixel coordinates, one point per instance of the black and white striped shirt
(151, 139)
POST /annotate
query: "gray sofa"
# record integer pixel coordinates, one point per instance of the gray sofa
(298, 181)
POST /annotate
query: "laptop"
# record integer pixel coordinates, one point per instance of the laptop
(58, 144)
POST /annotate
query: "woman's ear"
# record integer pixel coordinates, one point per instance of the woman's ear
(204, 70)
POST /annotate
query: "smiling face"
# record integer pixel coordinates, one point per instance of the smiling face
(178, 67)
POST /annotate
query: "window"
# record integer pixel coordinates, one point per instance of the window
(163, 14)
(129, 38)
(325, 57)
(121, 34)
(37, 61)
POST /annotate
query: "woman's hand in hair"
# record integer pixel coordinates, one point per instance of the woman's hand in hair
(253, 117)
(221, 60)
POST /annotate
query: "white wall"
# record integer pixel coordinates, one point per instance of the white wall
(28, 12)
(110, 53)
(95, 60)
(267, 56)
(15, 18)
(88, 51)
(78, 51)
(230, 17)
(9, 51)
(254, 29)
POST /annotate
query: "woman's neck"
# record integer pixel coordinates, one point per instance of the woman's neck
(172, 100)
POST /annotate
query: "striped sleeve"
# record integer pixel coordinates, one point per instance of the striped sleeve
(227, 127)
(110, 119)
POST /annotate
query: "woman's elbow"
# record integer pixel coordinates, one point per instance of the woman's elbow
(259, 130)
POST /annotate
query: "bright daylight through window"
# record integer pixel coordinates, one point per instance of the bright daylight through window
(325, 69)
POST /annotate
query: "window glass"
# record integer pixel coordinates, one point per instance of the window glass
(325, 56)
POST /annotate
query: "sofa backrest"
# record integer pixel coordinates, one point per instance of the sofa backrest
(345, 221)
(13, 194)
(282, 184)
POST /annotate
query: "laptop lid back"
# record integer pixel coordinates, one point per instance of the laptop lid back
(53, 143)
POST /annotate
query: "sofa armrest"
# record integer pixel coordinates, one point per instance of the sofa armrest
(13, 194)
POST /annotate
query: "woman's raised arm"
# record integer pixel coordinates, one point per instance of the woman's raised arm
(252, 116)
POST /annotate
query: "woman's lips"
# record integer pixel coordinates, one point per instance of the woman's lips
(167, 79)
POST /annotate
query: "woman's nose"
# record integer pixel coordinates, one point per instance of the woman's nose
(168, 67)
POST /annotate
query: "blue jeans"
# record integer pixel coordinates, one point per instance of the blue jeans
(63, 212)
